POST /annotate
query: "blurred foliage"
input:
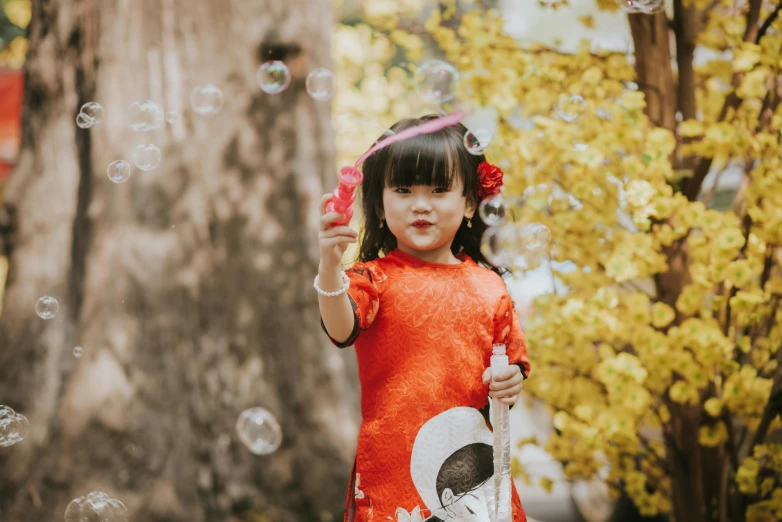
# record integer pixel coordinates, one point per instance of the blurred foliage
(14, 19)
(623, 367)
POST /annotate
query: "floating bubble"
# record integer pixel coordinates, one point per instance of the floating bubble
(570, 108)
(83, 121)
(501, 244)
(172, 117)
(46, 307)
(94, 111)
(259, 431)
(273, 77)
(14, 427)
(535, 237)
(118, 171)
(436, 81)
(146, 157)
(144, 116)
(96, 507)
(642, 6)
(206, 99)
(476, 142)
(492, 210)
(321, 84)
(77, 351)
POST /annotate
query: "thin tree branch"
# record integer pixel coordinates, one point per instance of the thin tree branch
(770, 20)
(685, 27)
(751, 34)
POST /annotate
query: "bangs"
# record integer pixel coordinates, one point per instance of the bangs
(426, 159)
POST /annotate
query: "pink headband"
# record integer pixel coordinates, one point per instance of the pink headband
(425, 128)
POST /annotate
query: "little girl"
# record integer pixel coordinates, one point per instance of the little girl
(423, 318)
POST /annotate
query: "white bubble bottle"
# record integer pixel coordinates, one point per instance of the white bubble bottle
(501, 425)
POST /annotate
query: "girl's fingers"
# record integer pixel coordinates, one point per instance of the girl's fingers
(336, 241)
(323, 200)
(507, 392)
(331, 217)
(342, 230)
(504, 385)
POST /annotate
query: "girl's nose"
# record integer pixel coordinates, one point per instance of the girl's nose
(421, 203)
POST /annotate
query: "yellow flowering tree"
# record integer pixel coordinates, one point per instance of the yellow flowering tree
(661, 358)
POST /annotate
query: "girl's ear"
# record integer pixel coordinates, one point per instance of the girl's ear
(470, 208)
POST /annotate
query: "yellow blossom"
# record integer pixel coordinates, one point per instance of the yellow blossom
(662, 314)
(712, 436)
(730, 238)
(739, 272)
(713, 407)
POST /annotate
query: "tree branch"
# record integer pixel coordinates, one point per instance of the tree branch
(685, 27)
(770, 20)
(751, 34)
(772, 406)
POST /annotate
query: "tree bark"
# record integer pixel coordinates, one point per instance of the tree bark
(695, 474)
(188, 287)
(653, 67)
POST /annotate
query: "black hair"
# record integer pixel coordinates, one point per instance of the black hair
(466, 469)
(427, 159)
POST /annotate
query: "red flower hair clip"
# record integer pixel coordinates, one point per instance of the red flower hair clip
(489, 180)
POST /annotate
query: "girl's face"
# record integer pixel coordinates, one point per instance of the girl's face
(408, 209)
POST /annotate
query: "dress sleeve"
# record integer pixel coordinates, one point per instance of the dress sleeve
(507, 330)
(364, 299)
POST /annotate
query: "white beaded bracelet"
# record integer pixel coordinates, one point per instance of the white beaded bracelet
(345, 286)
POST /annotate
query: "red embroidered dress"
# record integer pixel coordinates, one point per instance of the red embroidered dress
(423, 338)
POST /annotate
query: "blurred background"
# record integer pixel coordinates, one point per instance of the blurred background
(161, 165)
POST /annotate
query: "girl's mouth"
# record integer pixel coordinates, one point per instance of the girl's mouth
(421, 224)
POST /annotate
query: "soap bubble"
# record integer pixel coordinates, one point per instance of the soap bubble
(206, 99)
(96, 507)
(570, 108)
(502, 244)
(118, 171)
(46, 307)
(144, 116)
(14, 427)
(172, 117)
(642, 6)
(492, 210)
(77, 351)
(321, 84)
(94, 111)
(83, 121)
(146, 157)
(435, 81)
(273, 77)
(535, 237)
(476, 142)
(259, 431)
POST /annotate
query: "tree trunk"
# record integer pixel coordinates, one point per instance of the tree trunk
(189, 287)
(696, 472)
(651, 40)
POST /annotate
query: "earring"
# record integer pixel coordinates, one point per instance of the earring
(381, 224)
(469, 223)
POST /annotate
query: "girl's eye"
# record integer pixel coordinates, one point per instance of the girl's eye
(398, 189)
(443, 189)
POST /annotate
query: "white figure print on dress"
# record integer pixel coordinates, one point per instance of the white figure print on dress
(452, 466)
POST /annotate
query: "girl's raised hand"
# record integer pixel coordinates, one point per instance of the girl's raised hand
(333, 240)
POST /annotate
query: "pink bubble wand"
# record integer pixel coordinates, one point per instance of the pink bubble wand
(350, 177)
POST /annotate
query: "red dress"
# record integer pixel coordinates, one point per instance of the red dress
(423, 338)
